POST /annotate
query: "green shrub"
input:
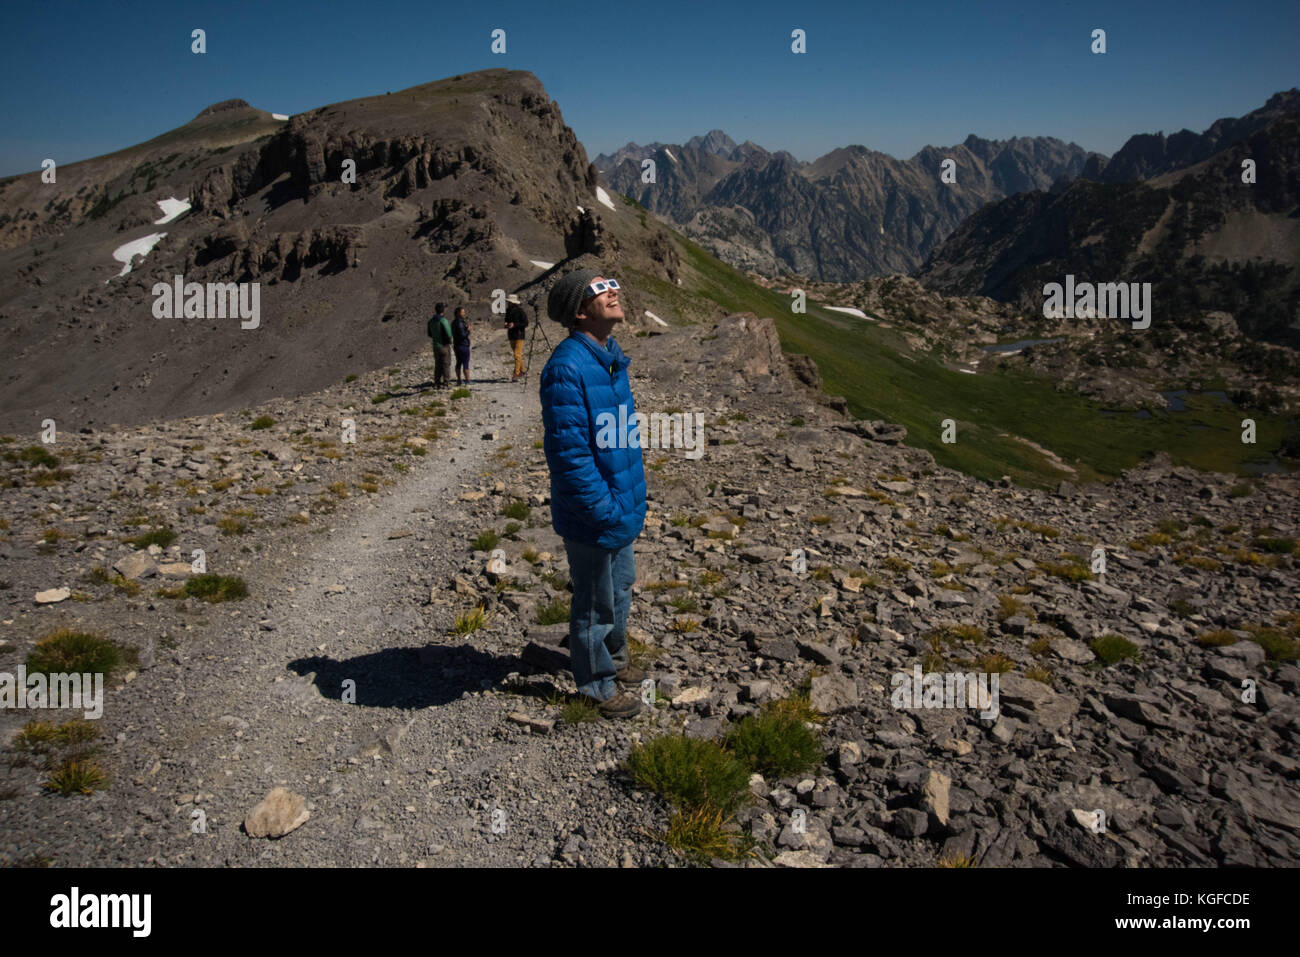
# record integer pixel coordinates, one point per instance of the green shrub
(1112, 648)
(553, 613)
(215, 588)
(579, 709)
(689, 773)
(66, 651)
(775, 742)
(470, 621)
(1070, 571)
(76, 777)
(518, 510)
(486, 541)
(1216, 639)
(1275, 643)
(37, 455)
(162, 537)
(262, 422)
(1276, 546)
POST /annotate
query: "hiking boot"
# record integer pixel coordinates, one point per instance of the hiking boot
(620, 705)
(631, 675)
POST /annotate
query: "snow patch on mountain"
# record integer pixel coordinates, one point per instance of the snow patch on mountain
(136, 247)
(172, 208)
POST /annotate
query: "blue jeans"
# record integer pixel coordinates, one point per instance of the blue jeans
(602, 593)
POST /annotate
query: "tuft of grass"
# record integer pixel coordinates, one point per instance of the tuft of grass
(689, 773)
(1039, 673)
(76, 776)
(703, 834)
(554, 612)
(641, 654)
(36, 737)
(35, 455)
(894, 564)
(459, 394)
(215, 588)
(470, 621)
(776, 742)
(1110, 648)
(66, 651)
(1040, 646)
(1047, 531)
(517, 510)
(1219, 638)
(162, 537)
(683, 604)
(994, 663)
(1277, 645)
(1275, 546)
(956, 860)
(261, 422)
(953, 634)
(229, 525)
(1070, 571)
(486, 541)
(664, 585)
(1202, 562)
(1009, 607)
(579, 709)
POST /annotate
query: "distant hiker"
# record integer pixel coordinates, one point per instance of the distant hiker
(597, 492)
(440, 333)
(460, 337)
(516, 326)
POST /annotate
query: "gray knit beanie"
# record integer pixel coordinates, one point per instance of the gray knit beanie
(566, 295)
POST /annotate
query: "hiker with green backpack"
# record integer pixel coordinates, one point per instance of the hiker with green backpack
(440, 332)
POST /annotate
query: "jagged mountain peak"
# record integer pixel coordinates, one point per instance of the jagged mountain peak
(714, 141)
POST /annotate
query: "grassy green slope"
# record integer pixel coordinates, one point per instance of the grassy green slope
(882, 379)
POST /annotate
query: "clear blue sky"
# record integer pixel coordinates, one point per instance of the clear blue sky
(85, 79)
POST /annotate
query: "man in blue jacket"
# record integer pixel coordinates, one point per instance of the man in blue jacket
(597, 491)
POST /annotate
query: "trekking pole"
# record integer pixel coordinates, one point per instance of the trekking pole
(532, 341)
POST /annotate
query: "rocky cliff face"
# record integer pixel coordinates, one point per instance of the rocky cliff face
(851, 213)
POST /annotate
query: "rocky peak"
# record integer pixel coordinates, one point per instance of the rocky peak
(224, 106)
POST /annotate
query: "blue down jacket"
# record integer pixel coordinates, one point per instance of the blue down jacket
(597, 494)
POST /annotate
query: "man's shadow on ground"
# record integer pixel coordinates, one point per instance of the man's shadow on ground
(437, 674)
(408, 677)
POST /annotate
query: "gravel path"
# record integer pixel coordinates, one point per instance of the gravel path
(422, 768)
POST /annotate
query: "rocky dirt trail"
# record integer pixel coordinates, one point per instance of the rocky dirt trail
(414, 762)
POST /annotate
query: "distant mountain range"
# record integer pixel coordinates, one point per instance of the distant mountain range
(1173, 211)
(849, 214)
